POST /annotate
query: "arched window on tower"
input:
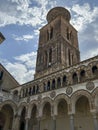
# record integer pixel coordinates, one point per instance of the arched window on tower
(67, 33)
(47, 35)
(50, 56)
(51, 33)
(69, 57)
(45, 58)
(72, 37)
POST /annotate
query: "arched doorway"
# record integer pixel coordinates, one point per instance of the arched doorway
(46, 122)
(22, 119)
(6, 117)
(62, 121)
(2, 120)
(83, 117)
(33, 123)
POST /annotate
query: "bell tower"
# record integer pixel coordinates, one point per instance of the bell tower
(58, 43)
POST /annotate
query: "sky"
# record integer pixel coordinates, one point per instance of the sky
(20, 21)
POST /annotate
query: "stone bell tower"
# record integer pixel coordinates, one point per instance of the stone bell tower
(58, 43)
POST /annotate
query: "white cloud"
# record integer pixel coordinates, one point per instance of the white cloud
(23, 68)
(28, 59)
(20, 12)
(83, 16)
(23, 38)
(90, 53)
(96, 31)
(85, 20)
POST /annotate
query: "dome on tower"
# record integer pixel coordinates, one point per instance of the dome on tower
(58, 11)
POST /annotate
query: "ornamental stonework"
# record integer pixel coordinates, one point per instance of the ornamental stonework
(69, 90)
(28, 99)
(39, 98)
(52, 94)
(90, 86)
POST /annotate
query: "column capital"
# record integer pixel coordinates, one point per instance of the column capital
(27, 118)
(17, 116)
(93, 112)
(94, 115)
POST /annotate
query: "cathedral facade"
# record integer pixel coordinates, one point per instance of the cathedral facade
(64, 92)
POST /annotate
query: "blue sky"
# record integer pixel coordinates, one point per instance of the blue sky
(20, 21)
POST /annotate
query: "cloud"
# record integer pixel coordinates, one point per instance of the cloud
(96, 31)
(85, 20)
(23, 12)
(23, 38)
(90, 53)
(83, 15)
(23, 68)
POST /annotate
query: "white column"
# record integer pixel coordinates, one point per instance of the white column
(16, 123)
(95, 122)
(13, 123)
(26, 123)
(54, 122)
(71, 122)
(39, 119)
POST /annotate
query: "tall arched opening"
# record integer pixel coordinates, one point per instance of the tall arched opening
(83, 117)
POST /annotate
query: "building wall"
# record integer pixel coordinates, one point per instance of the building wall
(63, 95)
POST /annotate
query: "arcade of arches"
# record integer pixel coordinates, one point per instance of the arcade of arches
(69, 114)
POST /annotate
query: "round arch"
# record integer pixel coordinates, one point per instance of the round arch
(83, 115)
(11, 104)
(30, 107)
(21, 106)
(75, 96)
(44, 101)
(57, 99)
(8, 111)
